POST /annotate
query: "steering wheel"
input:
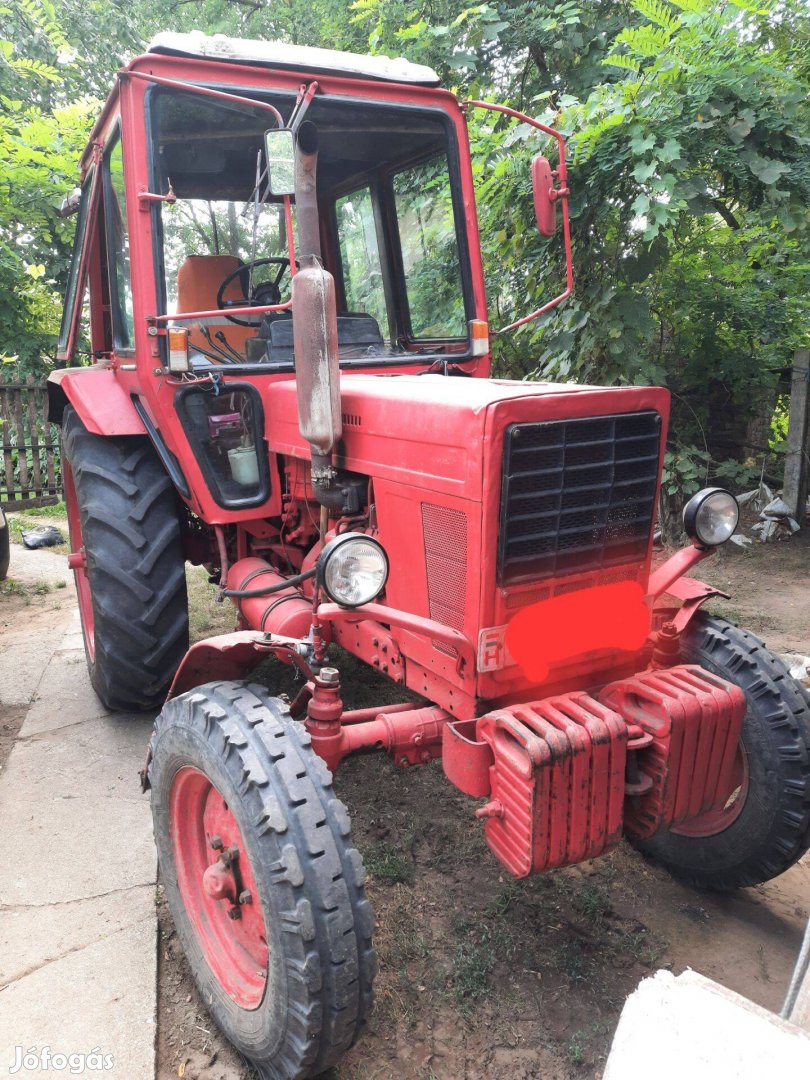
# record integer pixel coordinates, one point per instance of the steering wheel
(261, 294)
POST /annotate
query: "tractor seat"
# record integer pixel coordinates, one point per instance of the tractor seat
(198, 281)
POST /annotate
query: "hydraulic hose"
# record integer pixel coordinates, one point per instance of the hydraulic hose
(287, 583)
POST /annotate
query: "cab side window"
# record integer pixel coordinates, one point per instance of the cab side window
(73, 310)
(429, 243)
(118, 246)
(360, 255)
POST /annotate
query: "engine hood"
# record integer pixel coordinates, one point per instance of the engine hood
(433, 431)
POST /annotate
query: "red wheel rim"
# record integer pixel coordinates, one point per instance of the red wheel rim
(716, 821)
(235, 949)
(77, 560)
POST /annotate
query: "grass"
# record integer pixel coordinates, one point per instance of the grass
(11, 587)
(642, 946)
(571, 960)
(57, 510)
(405, 942)
(575, 1049)
(594, 904)
(387, 863)
(580, 1048)
(207, 617)
(487, 938)
(403, 952)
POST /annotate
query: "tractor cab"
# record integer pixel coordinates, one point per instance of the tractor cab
(188, 151)
(390, 216)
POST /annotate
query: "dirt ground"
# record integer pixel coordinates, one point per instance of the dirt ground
(483, 978)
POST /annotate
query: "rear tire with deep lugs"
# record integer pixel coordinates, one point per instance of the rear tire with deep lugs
(128, 564)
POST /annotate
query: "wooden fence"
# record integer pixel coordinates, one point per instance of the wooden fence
(29, 474)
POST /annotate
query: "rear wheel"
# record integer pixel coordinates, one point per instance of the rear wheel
(128, 563)
(261, 878)
(764, 828)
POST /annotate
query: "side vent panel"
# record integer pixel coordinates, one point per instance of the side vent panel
(445, 535)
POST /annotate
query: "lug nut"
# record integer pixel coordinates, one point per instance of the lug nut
(245, 897)
(329, 675)
(234, 913)
(216, 843)
(230, 855)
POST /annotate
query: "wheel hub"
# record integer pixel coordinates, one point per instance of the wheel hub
(717, 821)
(218, 887)
(218, 882)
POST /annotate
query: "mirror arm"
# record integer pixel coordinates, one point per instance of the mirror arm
(302, 104)
(561, 193)
(204, 91)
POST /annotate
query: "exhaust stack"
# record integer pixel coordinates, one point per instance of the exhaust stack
(315, 343)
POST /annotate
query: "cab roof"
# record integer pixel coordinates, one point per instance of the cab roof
(278, 54)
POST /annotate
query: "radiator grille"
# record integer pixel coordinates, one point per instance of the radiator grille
(577, 495)
(445, 533)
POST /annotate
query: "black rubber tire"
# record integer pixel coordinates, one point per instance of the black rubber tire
(135, 565)
(310, 878)
(5, 546)
(772, 830)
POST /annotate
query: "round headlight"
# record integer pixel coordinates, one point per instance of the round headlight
(353, 569)
(711, 516)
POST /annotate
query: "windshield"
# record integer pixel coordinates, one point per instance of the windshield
(389, 218)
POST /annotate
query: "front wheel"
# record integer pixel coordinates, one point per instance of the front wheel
(764, 828)
(261, 878)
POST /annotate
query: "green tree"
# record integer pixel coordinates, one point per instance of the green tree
(41, 135)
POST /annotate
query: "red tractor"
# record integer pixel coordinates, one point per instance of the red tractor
(290, 386)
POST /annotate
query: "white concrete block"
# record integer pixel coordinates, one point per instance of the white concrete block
(688, 1026)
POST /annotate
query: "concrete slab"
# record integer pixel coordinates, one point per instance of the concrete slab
(64, 697)
(690, 1026)
(33, 935)
(25, 656)
(27, 648)
(77, 885)
(100, 996)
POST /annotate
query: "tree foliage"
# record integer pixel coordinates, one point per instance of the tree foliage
(42, 131)
(689, 131)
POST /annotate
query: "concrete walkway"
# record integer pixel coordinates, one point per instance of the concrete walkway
(78, 949)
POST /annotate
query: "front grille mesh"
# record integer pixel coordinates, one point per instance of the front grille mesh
(577, 495)
(445, 534)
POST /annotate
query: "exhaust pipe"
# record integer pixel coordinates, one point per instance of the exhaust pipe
(315, 342)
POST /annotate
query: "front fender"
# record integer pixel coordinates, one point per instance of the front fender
(692, 594)
(103, 405)
(669, 579)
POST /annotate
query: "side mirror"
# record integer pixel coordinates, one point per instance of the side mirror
(279, 149)
(545, 196)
